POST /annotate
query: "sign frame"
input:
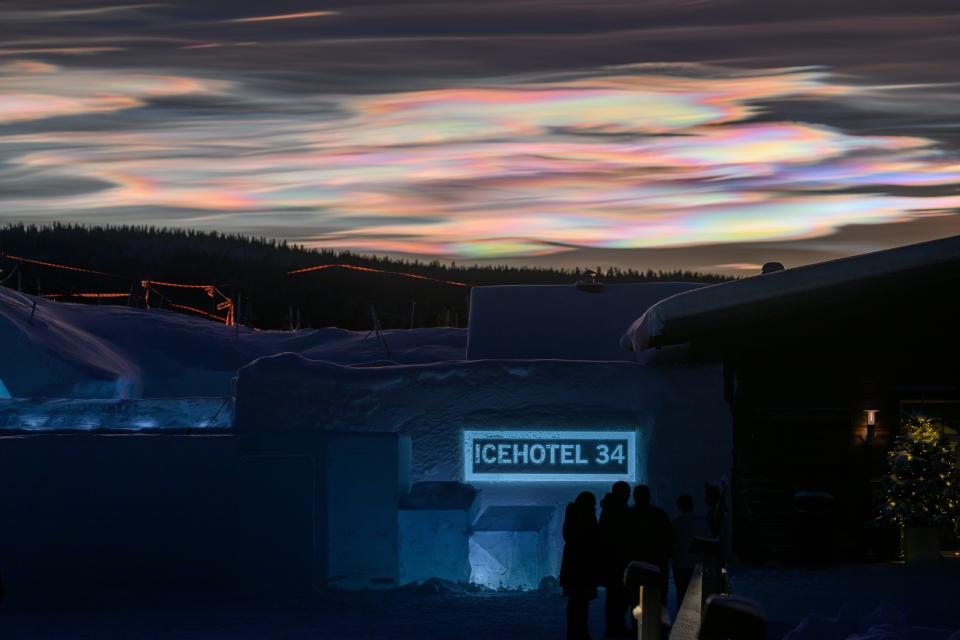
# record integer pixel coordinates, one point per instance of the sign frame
(541, 434)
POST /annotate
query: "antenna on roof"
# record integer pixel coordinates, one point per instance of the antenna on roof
(591, 285)
(770, 267)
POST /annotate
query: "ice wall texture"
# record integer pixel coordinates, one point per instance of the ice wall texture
(67, 350)
(680, 407)
(559, 321)
(90, 514)
(94, 414)
(678, 412)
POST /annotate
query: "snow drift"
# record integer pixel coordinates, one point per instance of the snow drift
(63, 350)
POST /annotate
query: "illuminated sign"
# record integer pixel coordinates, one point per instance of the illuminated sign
(549, 456)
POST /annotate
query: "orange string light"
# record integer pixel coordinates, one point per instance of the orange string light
(54, 265)
(227, 320)
(372, 270)
(86, 295)
(226, 304)
(208, 288)
(211, 290)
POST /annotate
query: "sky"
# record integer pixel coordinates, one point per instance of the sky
(699, 134)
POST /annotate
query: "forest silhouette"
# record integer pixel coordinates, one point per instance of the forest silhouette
(255, 273)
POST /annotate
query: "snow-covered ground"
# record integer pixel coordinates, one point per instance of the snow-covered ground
(841, 602)
(920, 605)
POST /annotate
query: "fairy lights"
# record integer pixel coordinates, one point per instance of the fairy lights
(224, 304)
(53, 265)
(372, 270)
(55, 296)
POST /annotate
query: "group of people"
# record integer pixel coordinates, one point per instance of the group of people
(597, 552)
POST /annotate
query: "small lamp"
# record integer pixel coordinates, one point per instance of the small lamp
(871, 423)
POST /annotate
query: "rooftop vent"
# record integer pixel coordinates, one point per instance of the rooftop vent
(591, 284)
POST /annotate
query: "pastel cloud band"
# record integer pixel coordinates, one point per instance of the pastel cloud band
(631, 157)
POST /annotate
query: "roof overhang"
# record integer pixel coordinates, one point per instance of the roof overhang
(824, 286)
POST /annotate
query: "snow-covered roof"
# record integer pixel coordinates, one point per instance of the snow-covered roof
(678, 318)
(558, 322)
(64, 350)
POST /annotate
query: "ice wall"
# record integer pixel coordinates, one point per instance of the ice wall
(435, 524)
(678, 412)
(87, 513)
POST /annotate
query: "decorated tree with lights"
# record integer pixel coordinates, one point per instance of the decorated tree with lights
(922, 488)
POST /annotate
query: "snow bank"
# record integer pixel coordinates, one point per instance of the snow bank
(84, 351)
(46, 354)
(886, 622)
(559, 321)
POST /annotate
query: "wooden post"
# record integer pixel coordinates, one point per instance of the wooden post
(236, 316)
(413, 311)
(379, 330)
(645, 578)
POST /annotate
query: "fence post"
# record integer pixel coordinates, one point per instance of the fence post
(645, 578)
(728, 617)
(236, 315)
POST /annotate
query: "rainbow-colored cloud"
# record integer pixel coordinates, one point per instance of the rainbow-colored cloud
(630, 157)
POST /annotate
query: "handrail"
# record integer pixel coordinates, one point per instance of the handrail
(713, 572)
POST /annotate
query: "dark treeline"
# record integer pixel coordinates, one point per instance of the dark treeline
(254, 271)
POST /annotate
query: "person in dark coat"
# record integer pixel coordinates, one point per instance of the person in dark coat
(652, 536)
(616, 548)
(713, 498)
(578, 568)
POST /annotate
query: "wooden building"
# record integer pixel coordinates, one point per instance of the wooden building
(820, 364)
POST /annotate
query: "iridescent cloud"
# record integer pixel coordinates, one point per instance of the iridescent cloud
(33, 90)
(629, 157)
(286, 16)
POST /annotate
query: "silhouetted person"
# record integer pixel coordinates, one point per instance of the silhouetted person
(578, 569)
(686, 527)
(616, 549)
(712, 498)
(652, 539)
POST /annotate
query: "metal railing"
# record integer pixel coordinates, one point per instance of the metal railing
(708, 611)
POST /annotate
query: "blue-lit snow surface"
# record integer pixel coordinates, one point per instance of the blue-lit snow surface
(70, 414)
